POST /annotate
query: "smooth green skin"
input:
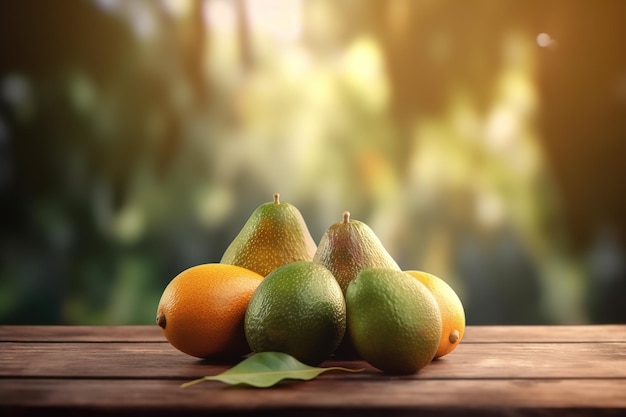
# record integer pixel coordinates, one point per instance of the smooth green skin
(393, 320)
(274, 235)
(297, 309)
(348, 247)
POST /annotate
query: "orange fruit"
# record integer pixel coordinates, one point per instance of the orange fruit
(202, 310)
(450, 307)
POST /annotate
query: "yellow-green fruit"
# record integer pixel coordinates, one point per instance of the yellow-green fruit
(348, 247)
(393, 319)
(451, 308)
(297, 309)
(274, 235)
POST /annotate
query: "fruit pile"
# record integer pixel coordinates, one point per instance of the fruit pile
(274, 290)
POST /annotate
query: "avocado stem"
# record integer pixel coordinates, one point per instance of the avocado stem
(276, 198)
(346, 217)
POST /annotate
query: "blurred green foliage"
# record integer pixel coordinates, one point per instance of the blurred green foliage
(136, 137)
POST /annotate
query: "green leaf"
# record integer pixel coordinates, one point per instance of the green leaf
(265, 369)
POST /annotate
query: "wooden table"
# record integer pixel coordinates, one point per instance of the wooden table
(497, 370)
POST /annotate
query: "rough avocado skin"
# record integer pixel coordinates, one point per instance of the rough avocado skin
(350, 246)
(274, 235)
(297, 309)
(394, 320)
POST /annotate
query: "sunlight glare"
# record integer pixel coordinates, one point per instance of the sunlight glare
(177, 8)
(365, 72)
(544, 40)
(220, 16)
(281, 19)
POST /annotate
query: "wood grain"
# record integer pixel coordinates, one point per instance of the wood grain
(545, 334)
(150, 360)
(320, 395)
(473, 334)
(102, 334)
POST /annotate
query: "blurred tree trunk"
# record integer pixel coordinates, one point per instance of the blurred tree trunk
(243, 32)
(195, 41)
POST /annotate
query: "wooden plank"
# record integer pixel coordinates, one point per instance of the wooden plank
(160, 360)
(81, 334)
(473, 334)
(497, 370)
(322, 396)
(545, 334)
